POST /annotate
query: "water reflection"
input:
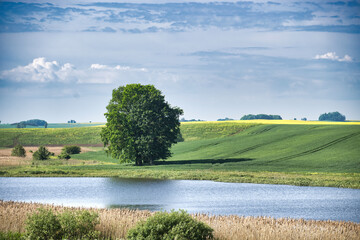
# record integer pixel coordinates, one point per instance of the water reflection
(194, 196)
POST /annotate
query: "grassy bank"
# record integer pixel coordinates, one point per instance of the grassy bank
(114, 224)
(305, 154)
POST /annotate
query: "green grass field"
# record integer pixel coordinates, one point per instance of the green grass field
(50, 136)
(298, 154)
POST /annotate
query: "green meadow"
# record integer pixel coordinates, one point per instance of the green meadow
(256, 152)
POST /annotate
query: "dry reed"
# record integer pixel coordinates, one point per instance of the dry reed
(114, 224)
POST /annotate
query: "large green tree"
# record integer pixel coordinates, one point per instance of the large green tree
(141, 126)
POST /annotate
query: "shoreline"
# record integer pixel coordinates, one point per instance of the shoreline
(311, 179)
(114, 223)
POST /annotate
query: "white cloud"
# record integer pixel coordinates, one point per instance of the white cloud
(98, 66)
(39, 71)
(332, 56)
(346, 58)
(42, 71)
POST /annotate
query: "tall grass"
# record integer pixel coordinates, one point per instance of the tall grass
(114, 224)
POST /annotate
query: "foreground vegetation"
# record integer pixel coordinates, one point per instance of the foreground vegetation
(306, 154)
(115, 224)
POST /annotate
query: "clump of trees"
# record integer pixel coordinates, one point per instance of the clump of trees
(190, 120)
(173, 225)
(261, 116)
(141, 126)
(332, 116)
(42, 154)
(225, 119)
(32, 122)
(18, 151)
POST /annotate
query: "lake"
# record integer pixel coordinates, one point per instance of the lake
(217, 198)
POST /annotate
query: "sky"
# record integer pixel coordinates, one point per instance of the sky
(214, 59)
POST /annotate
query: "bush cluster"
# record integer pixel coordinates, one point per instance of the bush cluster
(44, 224)
(18, 151)
(42, 154)
(73, 149)
(67, 150)
(11, 235)
(169, 226)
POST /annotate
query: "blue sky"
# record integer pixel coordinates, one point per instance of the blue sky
(61, 60)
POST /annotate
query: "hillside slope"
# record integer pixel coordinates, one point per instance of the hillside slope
(323, 148)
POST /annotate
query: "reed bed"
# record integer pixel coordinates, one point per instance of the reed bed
(114, 224)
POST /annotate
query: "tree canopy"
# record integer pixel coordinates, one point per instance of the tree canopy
(141, 126)
(332, 116)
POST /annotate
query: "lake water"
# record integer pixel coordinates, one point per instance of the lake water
(279, 201)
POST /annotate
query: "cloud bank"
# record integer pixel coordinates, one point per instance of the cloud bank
(137, 18)
(42, 71)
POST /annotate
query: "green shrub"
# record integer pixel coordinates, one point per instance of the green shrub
(169, 226)
(10, 236)
(43, 224)
(64, 155)
(73, 149)
(42, 154)
(18, 151)
(79, 225)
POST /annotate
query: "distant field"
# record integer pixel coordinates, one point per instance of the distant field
(49, 136)
(236, 151)
(91, 135)
(57, 125)
(292, 122)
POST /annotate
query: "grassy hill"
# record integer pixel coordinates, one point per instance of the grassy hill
(326, 148)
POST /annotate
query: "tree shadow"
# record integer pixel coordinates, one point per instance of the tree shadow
(201, 161)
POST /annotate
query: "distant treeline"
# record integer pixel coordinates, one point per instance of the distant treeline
(32, 122)
(191, 120)
(261, 116)
(225, 119)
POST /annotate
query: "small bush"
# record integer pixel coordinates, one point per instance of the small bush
(71, 149)
(42, 154)
(18, 151)
(79, 225)
(64, 155)
(10, 236)
(169, 226)
(43, 225)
